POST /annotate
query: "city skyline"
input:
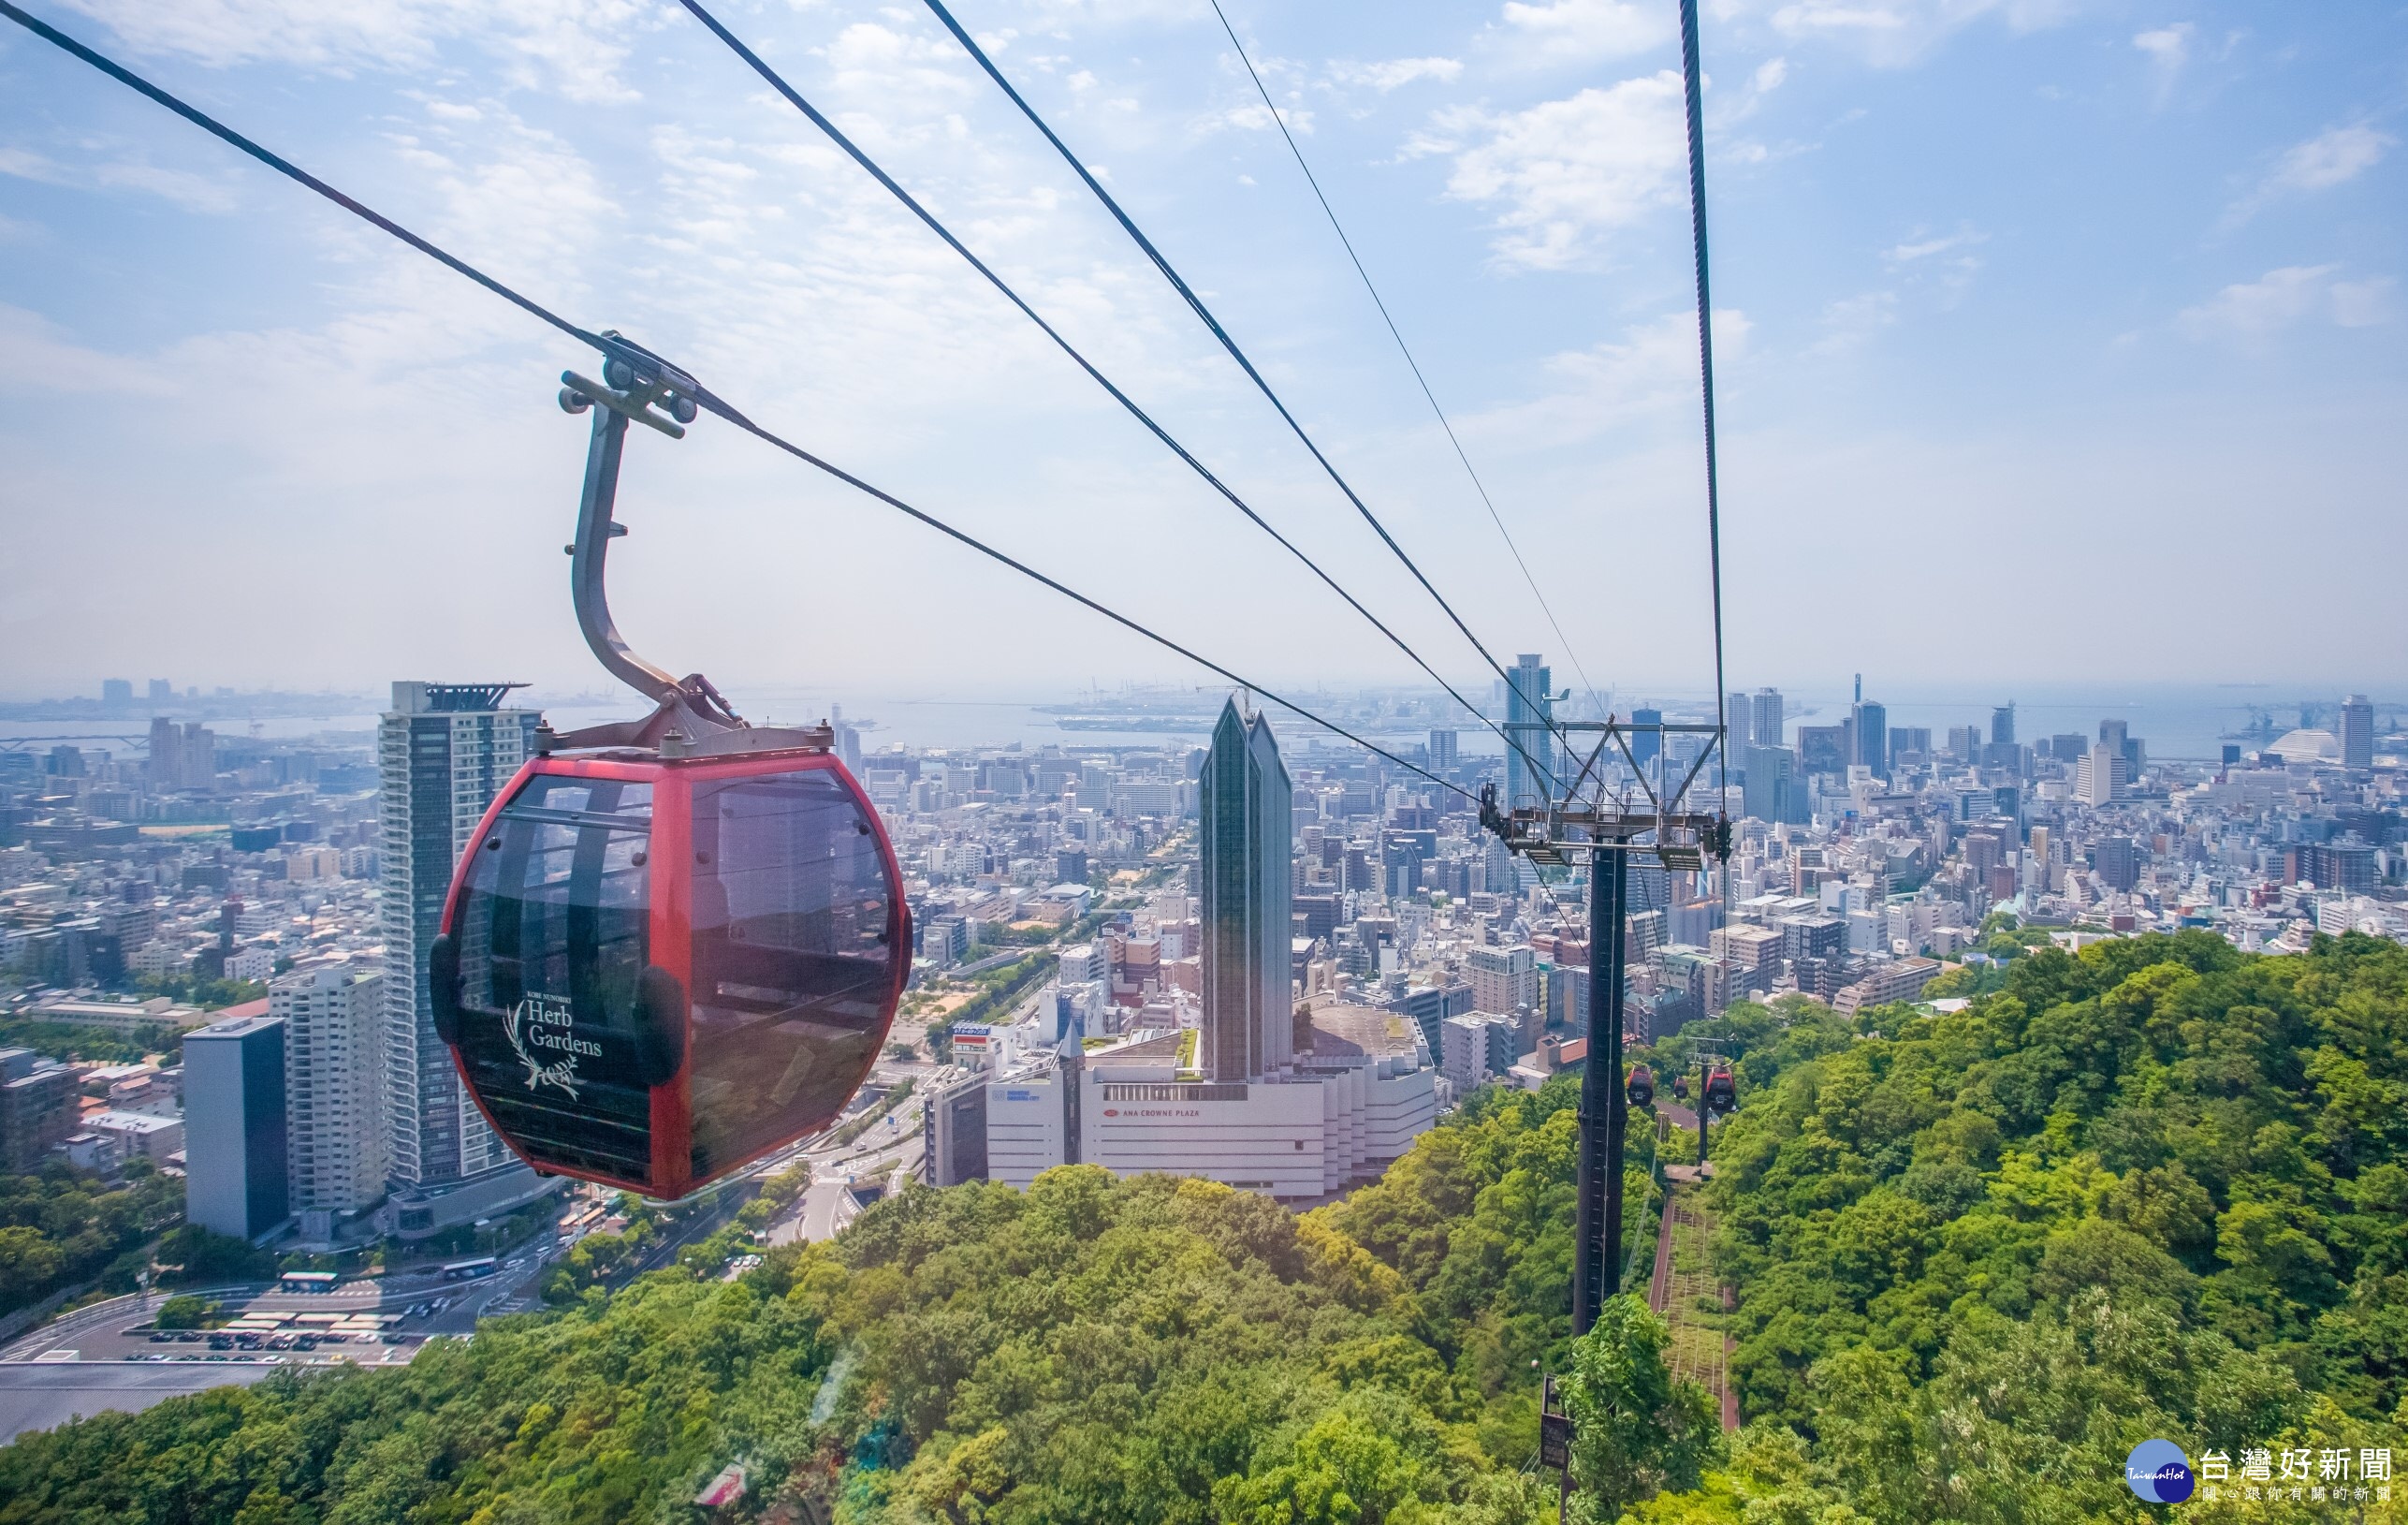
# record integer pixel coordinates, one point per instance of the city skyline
(1328, 734)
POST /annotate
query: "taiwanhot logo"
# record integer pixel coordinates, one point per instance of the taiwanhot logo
(2157, 1472)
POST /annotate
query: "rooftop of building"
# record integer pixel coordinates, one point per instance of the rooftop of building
(1154, 1048)
(1349, 1032)
(130, 1121)
(232, 1025)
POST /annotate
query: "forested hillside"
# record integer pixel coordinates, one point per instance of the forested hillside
(1089, 1350)
(2155, 1190)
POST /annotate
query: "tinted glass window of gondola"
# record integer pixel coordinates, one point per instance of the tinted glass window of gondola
(553, 934)
(793, 963)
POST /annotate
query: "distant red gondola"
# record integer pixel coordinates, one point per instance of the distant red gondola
(1640, 1087)
(1721, 1096)
(677, 944)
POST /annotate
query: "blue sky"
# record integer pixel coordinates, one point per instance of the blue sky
(2059, 340)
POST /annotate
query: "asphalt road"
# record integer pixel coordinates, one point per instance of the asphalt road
(826, 1205)
(47, 1395)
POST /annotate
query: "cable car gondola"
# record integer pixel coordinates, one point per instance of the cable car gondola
(675, 944)
(1681, 1087)
(1721, 1095)
(1640, 1087)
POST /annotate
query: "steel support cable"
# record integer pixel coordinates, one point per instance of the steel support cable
(717, 406)
(1204, 314)
(704, 396)
(836, 136)
(1694, 92)
(1402, 349)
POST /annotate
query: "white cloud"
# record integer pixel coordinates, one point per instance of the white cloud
(1849, 323)
(2330, 158)
(2284, 297)
(192, 192)
(1891, 33)
(1652, 370)
(1585, 31)
(41, 358)
(2362, 304)
(577, 50)
(1255, 117)
(1567, 171)
(1740, 104)
(1904, 254)
(2168, 49)
(896, 73)
(1946, 261)
(1397, 72)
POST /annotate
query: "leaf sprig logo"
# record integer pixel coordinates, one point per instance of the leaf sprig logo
(544, 1021)
(2157, 1472)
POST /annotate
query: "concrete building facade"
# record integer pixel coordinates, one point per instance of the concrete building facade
(333, 1095)
(444, 751)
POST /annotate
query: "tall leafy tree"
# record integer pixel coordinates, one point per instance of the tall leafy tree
(1636, 1431)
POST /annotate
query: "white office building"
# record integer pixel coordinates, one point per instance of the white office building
(1335, 1115)
(1477, 1048)
(334, 1130)
(2102, 775)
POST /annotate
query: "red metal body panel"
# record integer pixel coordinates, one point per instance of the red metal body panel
(671, 924)
(673, 950)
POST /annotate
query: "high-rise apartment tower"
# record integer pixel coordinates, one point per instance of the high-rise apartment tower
(444, 752)
(334, 1087)
(1764, 718)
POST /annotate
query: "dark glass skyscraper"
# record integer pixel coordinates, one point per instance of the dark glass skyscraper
(1872, 737)
(1528, 713)
(1645, 743)
(1243, 801)
(2357, 731)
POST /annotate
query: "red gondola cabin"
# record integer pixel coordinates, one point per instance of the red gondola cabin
(1721, 1096)
(655, 970)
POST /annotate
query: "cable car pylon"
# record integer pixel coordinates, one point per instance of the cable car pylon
(676, 943)
(1603, 830)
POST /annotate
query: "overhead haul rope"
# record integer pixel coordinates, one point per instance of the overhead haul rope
(1402, 349)
(703, 395)
(854, 151)
(1693, 91)
(1204, 314)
